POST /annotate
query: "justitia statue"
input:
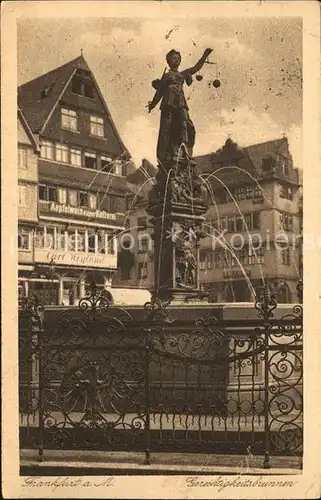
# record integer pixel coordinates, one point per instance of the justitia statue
(176, 127)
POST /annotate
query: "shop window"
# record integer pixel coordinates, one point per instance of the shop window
(90, 160)
(39, 238)
(97, 126)
(62, 153)
(22, 158)
(69, 119)
(50, 238)
(81, 241)
(101, 242)
(92, 243)
(23, 239)
(71, 241)
(60, 239)
(47, 150)
(75, 157)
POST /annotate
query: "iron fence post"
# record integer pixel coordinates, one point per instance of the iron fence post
(41, 401)
(266, 462)
(147, 398)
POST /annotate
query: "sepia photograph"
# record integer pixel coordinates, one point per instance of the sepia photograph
(159, 247)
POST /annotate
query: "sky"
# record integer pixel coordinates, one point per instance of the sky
(258, 62)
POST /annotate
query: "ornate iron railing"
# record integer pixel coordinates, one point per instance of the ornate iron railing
(104, 378)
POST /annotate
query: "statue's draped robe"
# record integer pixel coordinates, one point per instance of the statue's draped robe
(176, 127)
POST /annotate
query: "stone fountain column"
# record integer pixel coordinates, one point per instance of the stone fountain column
(177, 204)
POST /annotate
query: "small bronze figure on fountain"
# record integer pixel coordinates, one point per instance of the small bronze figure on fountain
(176, 127)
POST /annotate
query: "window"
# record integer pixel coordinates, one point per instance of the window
(69, 119)
(62, 196)
(82, 87)
(71, 241)
(256, 220)
(230, 224)
(97, 126)
(47, 150)
(202, 260)
(222, 223)
(143, 245)
(75, 157)
(256, 255)
(221, 197)
(83, 199)
(92, 201)
(285, 256)
(62, 153)
(286, 192)
(60, 239)
(248, 222)
(142, 270)
(118, 167)
(23, 239)
(22, 158)
(40, 238)
(217, 258)
(106, 164)
(257, 192)
(238, 223)
(209, 260)
(50, 238)
(101, 242)
(52, 194)
(249, 192)
(72, 197)
(142, 223)
(81, 241)
(90, 160)
(284, 168)
(110, 242)
(104, 202)
(286, 222)
(243, 256)
(92, 243)
(240, 193)
(23, 196)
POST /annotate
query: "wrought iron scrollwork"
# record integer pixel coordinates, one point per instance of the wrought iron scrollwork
(94, 301)
(266, 302)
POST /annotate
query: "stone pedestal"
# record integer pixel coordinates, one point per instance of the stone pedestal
(177, 204)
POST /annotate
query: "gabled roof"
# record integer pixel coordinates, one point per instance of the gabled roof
(143, 173)
(37, 108)
(38, 97)
(28, 130)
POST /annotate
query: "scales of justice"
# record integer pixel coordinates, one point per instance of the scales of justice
(179, 198)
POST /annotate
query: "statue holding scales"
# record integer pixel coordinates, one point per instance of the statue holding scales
(176, 127)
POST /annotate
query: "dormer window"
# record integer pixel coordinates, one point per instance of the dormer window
(69, 119)
(97, 126)
(82, 86)
(285, 168)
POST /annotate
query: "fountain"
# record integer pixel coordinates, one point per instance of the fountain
(178, 199)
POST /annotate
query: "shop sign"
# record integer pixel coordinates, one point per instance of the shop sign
(75, 258)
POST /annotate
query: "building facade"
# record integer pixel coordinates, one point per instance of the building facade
(253, 224)
(78, 184)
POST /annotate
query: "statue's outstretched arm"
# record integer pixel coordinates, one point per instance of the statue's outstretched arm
(199, 64)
